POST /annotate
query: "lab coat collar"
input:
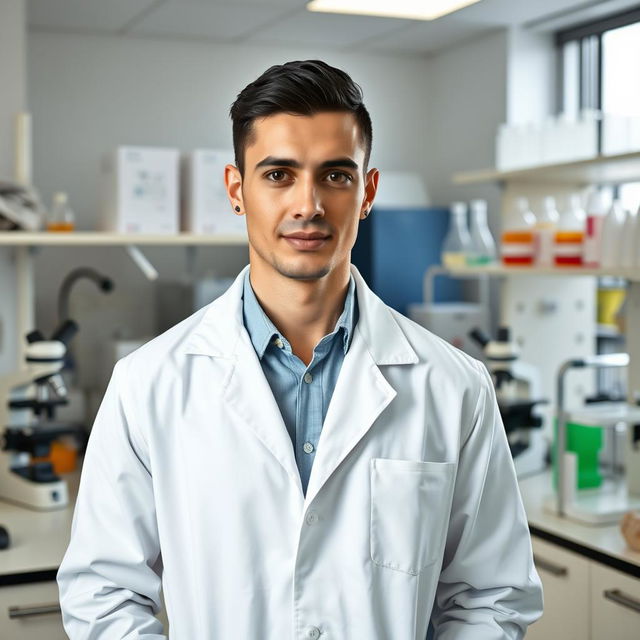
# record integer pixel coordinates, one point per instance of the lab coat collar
(219, 331)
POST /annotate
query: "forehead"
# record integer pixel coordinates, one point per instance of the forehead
(287, 135)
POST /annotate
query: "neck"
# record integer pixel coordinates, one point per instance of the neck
(304, 311)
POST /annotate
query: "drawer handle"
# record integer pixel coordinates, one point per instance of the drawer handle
(36, 610)
(550, 567)
(615, 595)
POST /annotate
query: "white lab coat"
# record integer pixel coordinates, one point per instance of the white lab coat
(412, 510)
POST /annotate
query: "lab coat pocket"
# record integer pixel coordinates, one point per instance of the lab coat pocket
(410, 503)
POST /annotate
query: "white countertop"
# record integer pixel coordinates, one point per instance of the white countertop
(38, 539)
(607, 539)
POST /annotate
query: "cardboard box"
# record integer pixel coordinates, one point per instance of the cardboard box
(205, 205)
(140, 190)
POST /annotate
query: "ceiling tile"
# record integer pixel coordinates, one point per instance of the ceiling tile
(83, 15)
(326, 29)
(423, 37)
(216, 20)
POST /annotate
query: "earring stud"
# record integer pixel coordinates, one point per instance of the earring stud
(237, 208)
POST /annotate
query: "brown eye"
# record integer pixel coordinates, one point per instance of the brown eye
(341, 175)
(276, 176)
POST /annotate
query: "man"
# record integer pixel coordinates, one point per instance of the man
(297, 460)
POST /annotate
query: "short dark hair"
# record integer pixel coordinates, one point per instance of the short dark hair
(302, 87)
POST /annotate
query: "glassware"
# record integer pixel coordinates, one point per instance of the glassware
(61, 217)
(457, 243)
(483, 246)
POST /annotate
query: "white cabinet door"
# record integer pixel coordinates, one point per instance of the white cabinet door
(31, 612)
(565, 579)
(615, 604)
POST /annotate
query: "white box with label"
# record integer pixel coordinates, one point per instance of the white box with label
(205, 205)
(140, 190)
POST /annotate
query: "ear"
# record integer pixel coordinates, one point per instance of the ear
(233, 183)
(370, 189)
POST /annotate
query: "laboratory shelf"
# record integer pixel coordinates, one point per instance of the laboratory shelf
(502, 270)
(624, 167)
(107, 239)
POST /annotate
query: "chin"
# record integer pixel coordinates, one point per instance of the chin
(302, 271)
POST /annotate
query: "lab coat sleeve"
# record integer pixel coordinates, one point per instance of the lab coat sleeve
(109, 579)
(488, 587)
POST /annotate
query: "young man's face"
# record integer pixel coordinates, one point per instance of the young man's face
(303, 192)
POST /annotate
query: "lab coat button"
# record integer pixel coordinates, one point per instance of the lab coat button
(307, 447)
(308, 378)
(313, 633)
(312, 518)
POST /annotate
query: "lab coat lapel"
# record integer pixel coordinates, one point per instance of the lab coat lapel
(362, 392)
(249, 395)
(221, 334)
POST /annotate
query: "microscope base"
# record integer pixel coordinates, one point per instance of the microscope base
(43, 496)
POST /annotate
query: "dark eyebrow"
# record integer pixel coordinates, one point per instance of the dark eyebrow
(271, 161)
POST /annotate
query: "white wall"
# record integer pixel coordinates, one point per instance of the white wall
(13, 99)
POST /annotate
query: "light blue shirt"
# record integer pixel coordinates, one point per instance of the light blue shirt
(302, 393)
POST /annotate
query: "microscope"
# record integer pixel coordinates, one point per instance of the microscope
(28, 401)
(516, 385)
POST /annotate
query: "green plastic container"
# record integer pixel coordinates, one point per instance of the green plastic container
(586, 442)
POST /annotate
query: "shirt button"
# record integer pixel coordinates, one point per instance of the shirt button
(307, 447)
(313, 633)
(278, 343)
(312, 518)
(308, 378)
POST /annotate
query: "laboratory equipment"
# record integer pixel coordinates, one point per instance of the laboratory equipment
(483, 247)
(28, 401)
(517, 244)
(516, 389)
(457, 243)
(569, 237)
(545, 232)
(61, 217)
(453, 321)
(140, 190)
(612, 229)
(617, 495)
(597, 206)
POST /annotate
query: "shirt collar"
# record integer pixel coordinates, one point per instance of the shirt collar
(262, 331)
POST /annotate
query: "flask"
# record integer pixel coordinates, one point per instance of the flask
(545, 230)
(483, 247)
(517, 239)
(569, 237)
(61, 217)
(457, 243)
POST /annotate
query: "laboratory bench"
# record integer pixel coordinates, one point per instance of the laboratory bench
(591, 578)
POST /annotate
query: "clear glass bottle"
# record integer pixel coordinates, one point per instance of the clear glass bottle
(457, 243)
(483, 246)
(569, 236)
(61, 217)
(517, 239)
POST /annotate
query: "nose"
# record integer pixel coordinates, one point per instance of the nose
(307, 204)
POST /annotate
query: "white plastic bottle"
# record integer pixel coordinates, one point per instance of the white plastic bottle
(612, 229)
(545, 228)
(627, 255)
(457, 243)
(517, 239)
(483, 246)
